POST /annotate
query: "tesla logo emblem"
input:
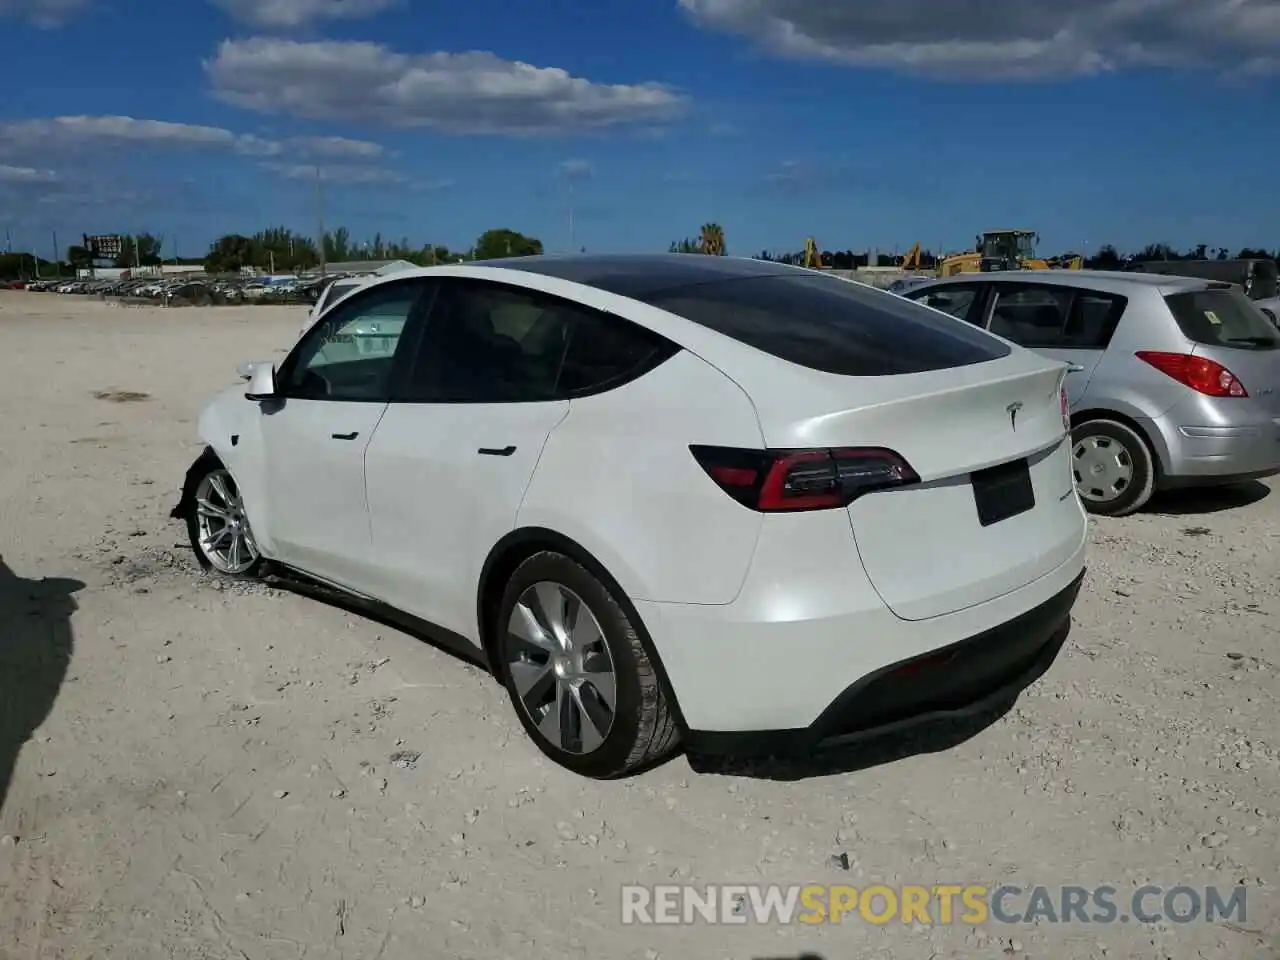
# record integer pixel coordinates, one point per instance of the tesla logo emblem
(1013, 409)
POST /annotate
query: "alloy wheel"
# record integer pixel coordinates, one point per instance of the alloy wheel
(561, 668)
(225, 538)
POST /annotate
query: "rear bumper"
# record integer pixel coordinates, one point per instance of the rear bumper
(970, 677)
(1218, 453)
(809, 632)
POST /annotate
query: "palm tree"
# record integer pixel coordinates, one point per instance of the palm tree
(713, 239)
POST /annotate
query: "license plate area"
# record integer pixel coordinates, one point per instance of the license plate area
(1003, 491)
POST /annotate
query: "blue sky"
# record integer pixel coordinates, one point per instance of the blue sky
(862, 125)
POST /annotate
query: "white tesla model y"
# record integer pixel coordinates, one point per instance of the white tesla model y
(724, 502)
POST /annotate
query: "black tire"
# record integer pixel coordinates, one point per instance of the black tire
(208, 464)
(1130, 446)
(643, 729)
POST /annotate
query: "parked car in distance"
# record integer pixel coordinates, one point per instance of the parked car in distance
(1173, 380)
(903, 284)
(1271, 307)
(725, 502)
(330, 294)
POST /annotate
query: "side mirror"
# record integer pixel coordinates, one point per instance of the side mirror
(262, 382)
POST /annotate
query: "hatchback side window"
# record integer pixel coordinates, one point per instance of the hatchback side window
(350, 354)
(957, 300)
(1093, 320)
(1031, 316)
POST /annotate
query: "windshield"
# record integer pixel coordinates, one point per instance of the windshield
(1223, 318)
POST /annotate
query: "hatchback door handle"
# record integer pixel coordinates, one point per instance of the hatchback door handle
(346, 436)
(496, 451)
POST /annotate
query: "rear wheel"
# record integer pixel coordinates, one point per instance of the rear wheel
(1113, 467)
(578, 677)
(218, 526)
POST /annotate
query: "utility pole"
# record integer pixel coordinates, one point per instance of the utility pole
(57, 260)
(320, 223)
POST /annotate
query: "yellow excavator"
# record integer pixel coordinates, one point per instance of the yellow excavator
(812, 255)
(1005, 250)
(911, 259)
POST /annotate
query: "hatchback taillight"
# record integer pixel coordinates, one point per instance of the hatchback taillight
(1199, 373)
(774, 481)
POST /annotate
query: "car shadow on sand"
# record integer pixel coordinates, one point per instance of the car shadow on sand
(932, 736)
(35, 651)
(1201, 500)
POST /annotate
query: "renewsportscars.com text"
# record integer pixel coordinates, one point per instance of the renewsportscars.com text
(939, 904)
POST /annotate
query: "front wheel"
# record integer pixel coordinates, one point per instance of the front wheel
(1113, 468)
(578, 676)
(218, 526)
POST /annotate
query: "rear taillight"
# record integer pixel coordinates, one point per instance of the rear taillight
(1199, 373)
(1064, 404)
(774, 481)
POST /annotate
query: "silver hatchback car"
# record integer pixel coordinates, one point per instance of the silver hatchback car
(1173, 380)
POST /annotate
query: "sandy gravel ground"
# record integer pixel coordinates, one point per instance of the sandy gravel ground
(192, 771)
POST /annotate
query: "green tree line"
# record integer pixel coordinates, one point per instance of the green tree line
(282, 250)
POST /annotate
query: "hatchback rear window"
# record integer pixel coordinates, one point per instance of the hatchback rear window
(831, 325)
(1223, 318)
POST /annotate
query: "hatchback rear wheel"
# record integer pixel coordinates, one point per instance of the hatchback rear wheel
(1113, 467)
(576, 671)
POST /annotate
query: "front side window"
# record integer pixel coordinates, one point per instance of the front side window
(491, 343)
(349, 354)
(1030, 315)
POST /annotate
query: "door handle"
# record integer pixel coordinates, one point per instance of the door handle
(1074, 368)
(496, 451)
(345, 436)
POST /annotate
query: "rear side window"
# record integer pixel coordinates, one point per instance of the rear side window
(957, 301)
(1093, 321)
(1222, 318)
(831, 325)
(1030, 316)
(604, 350)
(490, 343)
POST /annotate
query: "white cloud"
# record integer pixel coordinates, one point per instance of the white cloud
(290, 14)
(46, 14)
(347, 173)
(338, 147)
(10, 174)
(576, 168)
(467, 93)
(53, 134)
(1008, 39)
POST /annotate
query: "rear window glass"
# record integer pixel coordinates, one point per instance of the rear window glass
(831, 325)
(1223, 318)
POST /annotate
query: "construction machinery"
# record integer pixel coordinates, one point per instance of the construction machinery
(812, 255)
(911, 259)
(1005, 250)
